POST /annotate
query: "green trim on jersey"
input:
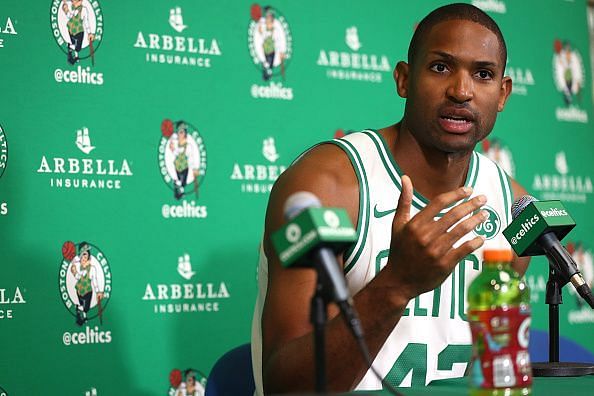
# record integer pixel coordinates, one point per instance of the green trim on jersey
(507, 192)
(419, 201)
(354, 252)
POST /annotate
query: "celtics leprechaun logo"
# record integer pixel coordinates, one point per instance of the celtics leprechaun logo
(187, 382)
(269, 39)
(77, 27)
(182, 157)
(85, 281)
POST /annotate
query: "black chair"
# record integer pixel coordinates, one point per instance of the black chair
(232, 374)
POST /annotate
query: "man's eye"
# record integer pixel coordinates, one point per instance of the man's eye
(484, 74)
(439, 67)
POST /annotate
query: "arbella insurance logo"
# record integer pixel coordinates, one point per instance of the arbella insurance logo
(189, 297)
(85, 286)
(10, 298)
(182, 165)
(77, 28)
(186, 382)
(569, 78)
(7, 29)
(74, 171)
(259, 178)
(349, 63)
(563, 185)
(522, 78)
(180, 47)
(270, 45)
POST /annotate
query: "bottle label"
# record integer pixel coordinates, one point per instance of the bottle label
(500, 347)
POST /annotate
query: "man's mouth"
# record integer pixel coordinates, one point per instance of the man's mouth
(456, 121)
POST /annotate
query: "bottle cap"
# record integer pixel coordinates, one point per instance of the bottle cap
(493, 255)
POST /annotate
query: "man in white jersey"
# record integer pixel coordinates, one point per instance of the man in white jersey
(418, 248)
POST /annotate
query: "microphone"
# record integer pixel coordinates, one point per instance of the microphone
(537, 228)
(312, 237)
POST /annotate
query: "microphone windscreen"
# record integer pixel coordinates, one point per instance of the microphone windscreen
(298, 202)
(520, 204)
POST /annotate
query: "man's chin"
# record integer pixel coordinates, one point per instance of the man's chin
(456, 147)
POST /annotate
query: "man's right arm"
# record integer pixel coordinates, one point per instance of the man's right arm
(421, 257)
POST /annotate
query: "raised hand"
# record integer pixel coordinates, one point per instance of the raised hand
(422, 252)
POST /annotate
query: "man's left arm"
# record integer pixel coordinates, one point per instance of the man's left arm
(520, 264)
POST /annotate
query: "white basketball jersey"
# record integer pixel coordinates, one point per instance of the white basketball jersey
(432, 340)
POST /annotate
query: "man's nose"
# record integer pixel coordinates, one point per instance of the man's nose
(461, 87)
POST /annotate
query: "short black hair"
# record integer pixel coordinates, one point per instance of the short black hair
(460, 11)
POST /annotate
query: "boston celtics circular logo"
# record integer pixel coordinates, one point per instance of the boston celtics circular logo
(568, 70)
(77, 27)
(490, 227)
(187, 382)
(3, 151)
(269, 40)
(85, 281)
(182, 157)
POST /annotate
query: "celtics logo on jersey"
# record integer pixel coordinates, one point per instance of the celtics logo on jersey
(3, 151)
(77, 27)
(270, 42)
(187, 382)
(490, 227)
(182, 157)
(85, 281)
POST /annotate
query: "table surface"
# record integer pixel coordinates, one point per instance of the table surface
(569, 386)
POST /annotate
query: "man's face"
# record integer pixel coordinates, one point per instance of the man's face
(455, 88)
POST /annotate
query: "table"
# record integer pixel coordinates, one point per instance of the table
(566, 386)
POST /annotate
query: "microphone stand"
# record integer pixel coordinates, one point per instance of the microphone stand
(555, 368)
(318, 319)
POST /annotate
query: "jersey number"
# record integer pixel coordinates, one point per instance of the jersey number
(414, 357)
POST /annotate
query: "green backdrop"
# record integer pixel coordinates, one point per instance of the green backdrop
(88, 149)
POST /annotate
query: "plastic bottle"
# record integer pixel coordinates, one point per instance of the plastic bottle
(499, 316)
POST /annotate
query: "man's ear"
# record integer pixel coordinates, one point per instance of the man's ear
(504, 92)
(401, 78)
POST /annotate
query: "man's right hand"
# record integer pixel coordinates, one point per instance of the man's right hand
(422, 252)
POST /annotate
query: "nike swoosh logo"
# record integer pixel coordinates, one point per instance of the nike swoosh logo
(381, 213)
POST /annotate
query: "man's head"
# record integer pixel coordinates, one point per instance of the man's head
(454, 84)
(457, 11)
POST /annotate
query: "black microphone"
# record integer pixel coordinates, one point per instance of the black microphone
(324, 254)
(536, 229)
(315, 235)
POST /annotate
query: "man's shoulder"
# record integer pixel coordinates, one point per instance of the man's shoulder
(325, 162)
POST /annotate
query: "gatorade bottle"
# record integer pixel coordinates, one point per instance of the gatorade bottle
(499, 316)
